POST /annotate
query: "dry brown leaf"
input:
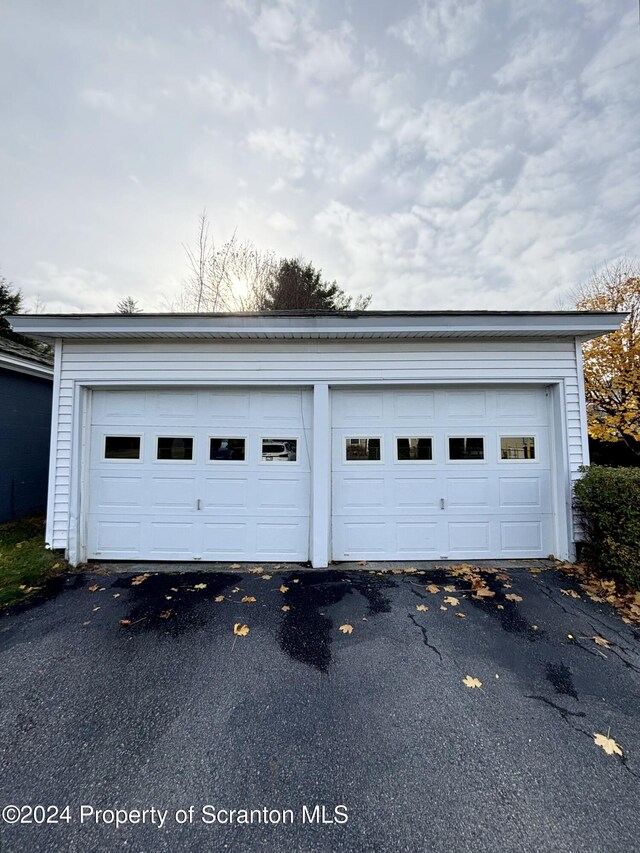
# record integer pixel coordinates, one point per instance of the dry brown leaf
(266, 577)
(442, 607)
(346, 629)
(432, 588)
(450, 599)
(285, 607)
(397, 571)
(234, 566)
(168, 597)
(93, 587)
(461, 615)
(513, 597)
(469, 681)
(247, 599)
(219, 598)
(138, 580)
(362, 562)
(165, 614)
(124, 622)
(607, 743)
(500, 606)
(200, 586)
(295, 580)
(240, 630)
(55, 566)
(422, 608)
(600, 641)
(449, 588)
(256, 570)
(284, 588)
(483, 592)
(570, 592)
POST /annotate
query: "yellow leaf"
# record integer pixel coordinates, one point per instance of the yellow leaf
(266, 577)
(442, 607)
(570, 592)
(607, 743)
(483, 592)
(93, 587)
(256, 570)
(346, 629)
(449, 588)
(219, 598)
(165, 614)
(422, 608)
(513, 597)
(432, 588)
(200, 586)
(285, 607)
(240, 630)
(247, 599)
(461, 615)
(469, 681)
(284, 588)
(450, 599)
(55, 566)
(600, 641)
(234, 566)
(139, 579)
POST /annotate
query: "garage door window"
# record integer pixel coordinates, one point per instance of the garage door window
(226, 449)
(517, 447)
(466, 448)
(175, 448)
(122, 447)
(362, 449)
(279, 449)
(416, 449)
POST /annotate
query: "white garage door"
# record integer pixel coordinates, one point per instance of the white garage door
(200, 474)
(441, 474)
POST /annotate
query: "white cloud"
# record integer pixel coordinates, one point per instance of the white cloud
(215, 91)
(536, 54)
(281, 222)
(275, 26)
(327, 58)
(282, 144)
(442, 30)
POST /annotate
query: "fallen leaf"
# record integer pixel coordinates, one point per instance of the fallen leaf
(397, 571)
(200, 586)
(500, 606)
(284, 588)
(571, 592)
(266, 577)
(469, 681)
(600, 641)
(247, 599)
(138, 580)
(535, 571)
(88, 622)
(168, 597)
(295, 580)
(607, 743)
(513, 597)
(483, 592)
(219, 598)
(236, 589)
(95, 608)
(257, 570)
(165, 614)
(461, 615)
(55, 566)
(432, 588)
(174, 589)
(449, 588)
(442, 607)
(362, 562)
(450, 599)
(346, 629)
(234, 566)
(569, 636)
(422, 608)
(124, 622)
(240, 630)
(285, 607)
(534, 627)
(93, 587)
(116, 595)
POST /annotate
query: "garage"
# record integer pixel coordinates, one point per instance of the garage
(199, 475)
(441, 473)
(313, 436)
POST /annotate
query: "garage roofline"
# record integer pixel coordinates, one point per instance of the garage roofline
(297, 325)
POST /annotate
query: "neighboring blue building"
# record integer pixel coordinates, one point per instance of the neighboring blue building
(26, 383)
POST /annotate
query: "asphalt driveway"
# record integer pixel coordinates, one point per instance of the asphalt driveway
(138, 697)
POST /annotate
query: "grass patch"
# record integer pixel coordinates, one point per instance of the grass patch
(25, 564)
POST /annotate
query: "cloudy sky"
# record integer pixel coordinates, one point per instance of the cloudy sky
(434, 153)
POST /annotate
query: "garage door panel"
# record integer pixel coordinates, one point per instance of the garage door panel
(226, 508)
(469, 537)
(409, 407)
(417, 539)
(411, 493)
(468, 492)
(521, 535)
(360, 493)
(362, 539)
(465, 405)
(520, 492)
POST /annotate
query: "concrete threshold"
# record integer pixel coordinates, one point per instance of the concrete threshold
(152, 567)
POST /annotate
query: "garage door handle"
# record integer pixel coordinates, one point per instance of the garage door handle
(198, 504)
(441, 503)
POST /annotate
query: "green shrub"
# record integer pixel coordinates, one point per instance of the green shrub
(608, 505)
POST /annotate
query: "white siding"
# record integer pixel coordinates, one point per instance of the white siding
(303, 363)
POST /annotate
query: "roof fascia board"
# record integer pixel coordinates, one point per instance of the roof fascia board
(20, 365)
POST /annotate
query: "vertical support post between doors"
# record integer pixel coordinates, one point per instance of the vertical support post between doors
(321, 477)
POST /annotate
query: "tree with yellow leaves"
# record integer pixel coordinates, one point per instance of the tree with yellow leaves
(612, 362)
